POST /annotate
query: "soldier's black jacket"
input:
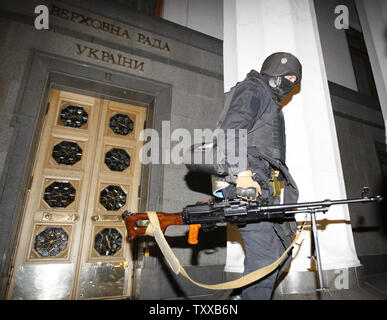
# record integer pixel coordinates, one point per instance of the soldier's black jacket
(253, 106)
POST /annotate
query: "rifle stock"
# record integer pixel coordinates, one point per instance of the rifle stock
(136, 223)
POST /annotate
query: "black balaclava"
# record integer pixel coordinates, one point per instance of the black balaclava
(276, 67)
(280, 85)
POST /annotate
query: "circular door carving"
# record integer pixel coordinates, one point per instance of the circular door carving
(121, 124)
(51, 242)
(112, 198)
(67, 153)
(73, 116)
(59, 194)
(117, 159)
(108, 241)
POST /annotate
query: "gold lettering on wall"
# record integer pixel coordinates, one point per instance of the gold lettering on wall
(104, 26)
(106, 56)
(154, 43)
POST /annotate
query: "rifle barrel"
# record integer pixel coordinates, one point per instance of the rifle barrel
(360, 200)
(317, 204)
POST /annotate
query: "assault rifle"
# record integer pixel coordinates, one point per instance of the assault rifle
(211, 214)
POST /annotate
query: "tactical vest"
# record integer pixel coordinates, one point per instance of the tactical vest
(268, 132)
(267, 140)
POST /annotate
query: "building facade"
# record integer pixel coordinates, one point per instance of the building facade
(75, 98)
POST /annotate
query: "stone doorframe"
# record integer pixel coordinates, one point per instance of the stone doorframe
(43, 72)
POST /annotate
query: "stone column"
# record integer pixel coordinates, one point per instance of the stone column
(373, 17)
(253, 29)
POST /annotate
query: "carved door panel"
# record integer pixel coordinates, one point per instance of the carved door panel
(72, 242)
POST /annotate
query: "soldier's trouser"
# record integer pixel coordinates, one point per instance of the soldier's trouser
(265, 242)
(263, 247)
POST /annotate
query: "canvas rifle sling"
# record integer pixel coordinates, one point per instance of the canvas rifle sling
(154, 230)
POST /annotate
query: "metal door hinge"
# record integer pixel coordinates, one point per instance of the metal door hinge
(106, 218)
(47, 216)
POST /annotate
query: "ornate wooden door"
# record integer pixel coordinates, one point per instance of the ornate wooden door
(72, 242)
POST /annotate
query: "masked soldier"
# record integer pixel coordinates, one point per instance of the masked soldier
(254, 104)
